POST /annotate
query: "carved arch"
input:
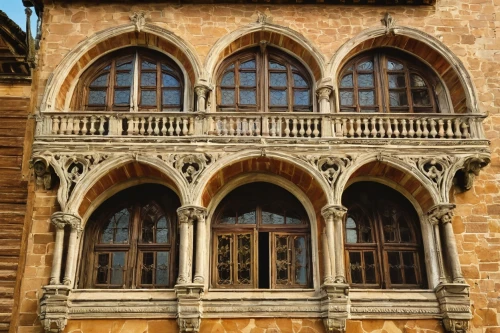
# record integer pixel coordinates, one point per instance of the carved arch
(430, 50)
(59, 89)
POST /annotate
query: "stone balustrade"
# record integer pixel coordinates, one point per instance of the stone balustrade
(279, 125)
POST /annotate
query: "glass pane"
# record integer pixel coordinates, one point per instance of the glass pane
(366, 97)
(101, 81)
(409, 267)
(351, 236)
(224, 259)
(355, 267)
(275, 65)
(346, 81)
(417, 81)
(365, 80)
(346, 98)
(300, 249)
(293, 218)
(148, 65)
(421, 98)
(162, 265)
(281, 248)
(229, 217)
(148, 97)
(147, 231)
(248, 65)
(97, 97)
(148, 79)
(147, 268)
(102, 268)
(369, 268)
(124, 66)
(244, 259)
(301, 97)
(365, 66)
(299, 82)
(169, 81)
(365, 232)
(247, 97)
(277, 79)
(165, 68)
(171, 97)
(247, 218)
(398, 98)
(227, 97)
(247, 79)
(162, 231)
(123, 79)
(122, 97)
(394, 267)
(394, 65)
(396, 81)
(230, 67)
(404, 231)
(271, 218)
(278, 97)
(118, 268)
(117, 228)
(227, 79)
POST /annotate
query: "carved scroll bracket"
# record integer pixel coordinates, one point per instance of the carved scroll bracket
(189, 307)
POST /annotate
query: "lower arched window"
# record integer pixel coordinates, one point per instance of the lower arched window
(130, 240)
(383, 246)
(261, 239)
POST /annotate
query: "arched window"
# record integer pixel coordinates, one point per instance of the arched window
(261, 239)
(387, 81)
(383, 246)
(131, 80)
(131, 240)
(263, 80)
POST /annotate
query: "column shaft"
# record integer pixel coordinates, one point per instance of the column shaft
(339, 250)
(55, 275)
(451, 247)
(183, 252)
(71, 259)
(199, 275)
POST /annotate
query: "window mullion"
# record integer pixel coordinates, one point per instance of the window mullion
(133, 269)
(382, 86)
(159, 89)
(289, 87)
(111, 86)
(408, 88)
(135, 85)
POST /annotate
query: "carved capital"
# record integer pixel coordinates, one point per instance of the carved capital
(202, 90)
(333, 211)
(191, 214)
(61, 219)
(440, 214)
(324, 93)
(42, 172)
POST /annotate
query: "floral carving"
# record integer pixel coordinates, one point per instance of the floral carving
(329, 166)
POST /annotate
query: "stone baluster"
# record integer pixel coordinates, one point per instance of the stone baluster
(75, 223)
(334, 216)
(187, 215)
(201, 97)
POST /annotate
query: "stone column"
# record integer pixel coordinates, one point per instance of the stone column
(335, 236)
(433, 219)
(59, 220)
(201, 97)
(327, 213)
(187, 215)
(323, 94)
(76, 229)
(444, 214)
(201, 249)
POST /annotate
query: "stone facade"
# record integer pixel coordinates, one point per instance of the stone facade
(458, 39)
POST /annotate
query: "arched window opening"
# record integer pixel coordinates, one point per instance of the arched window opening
(387, 81)
(261, 239)
(130, 241)
(263, 80)
(133, 79)
(383, 246)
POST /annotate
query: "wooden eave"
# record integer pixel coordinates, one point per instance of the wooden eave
(13, 51)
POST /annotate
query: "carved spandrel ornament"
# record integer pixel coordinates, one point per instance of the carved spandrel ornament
(190, 166)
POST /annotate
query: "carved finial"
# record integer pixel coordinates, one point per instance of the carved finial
(389, 23)
(261, 18)
(139, 19)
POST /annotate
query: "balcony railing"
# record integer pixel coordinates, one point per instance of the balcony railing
(273, 125)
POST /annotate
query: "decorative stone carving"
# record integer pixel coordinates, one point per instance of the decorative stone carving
(262, 18)
(201, 94)
(189, 307)
(139, 20)
(54, 308)
(324, 93)
(471, 169)
(440, 214)
(334, 306)
(455, 306)
(456, 325)
(389, 23)
(190, 166)
(42, 172)
(329, 166)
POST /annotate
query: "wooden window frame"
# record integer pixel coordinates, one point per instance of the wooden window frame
(262, 58)
(411, 65)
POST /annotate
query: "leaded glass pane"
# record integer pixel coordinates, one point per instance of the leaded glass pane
(346, 81)
(394, 65)
(398, 98)
(300, 249)
(299, 82)
(169, 81)
(227, 96)
(162, 268)
(171, 97)
(405, 235)
(147, 231)
(162, 231)
(394, 267)
(365, 66)
(124, 66)
(102, 268)
(227, 79)
(365, 80)
(277, 80)
(117, 229)
(351, 231)
(224, 259)
(248, 65)
(122, 97)
(346, 98)
(247, 79)
(396, 81)
(247, 97)
(166, 68)
(355, 267)
(101, 81)
(278, 97)
(97, 97)
(272, 218)
(117, 268)
(275, 65)
(281, 248)
(366, 97)
(148, 79)
(123, 79)
(409, 267)
(244, 272)
(148, 265)
(247, 218)
(148, 97)
(417, 81)
(370, 274)
(148, 65)
(301, 97)
(421, 98)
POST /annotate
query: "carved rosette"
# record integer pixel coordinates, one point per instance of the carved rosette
(440, 214)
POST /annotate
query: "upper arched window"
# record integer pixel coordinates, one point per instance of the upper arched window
(387, 81)
(383, 246)
(131, 80)
(131, 240)
(263, 80)
(261, 239)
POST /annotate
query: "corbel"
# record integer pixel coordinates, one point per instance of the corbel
(334, 306)
(471, 168)
(54, 308)
(42, 172)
